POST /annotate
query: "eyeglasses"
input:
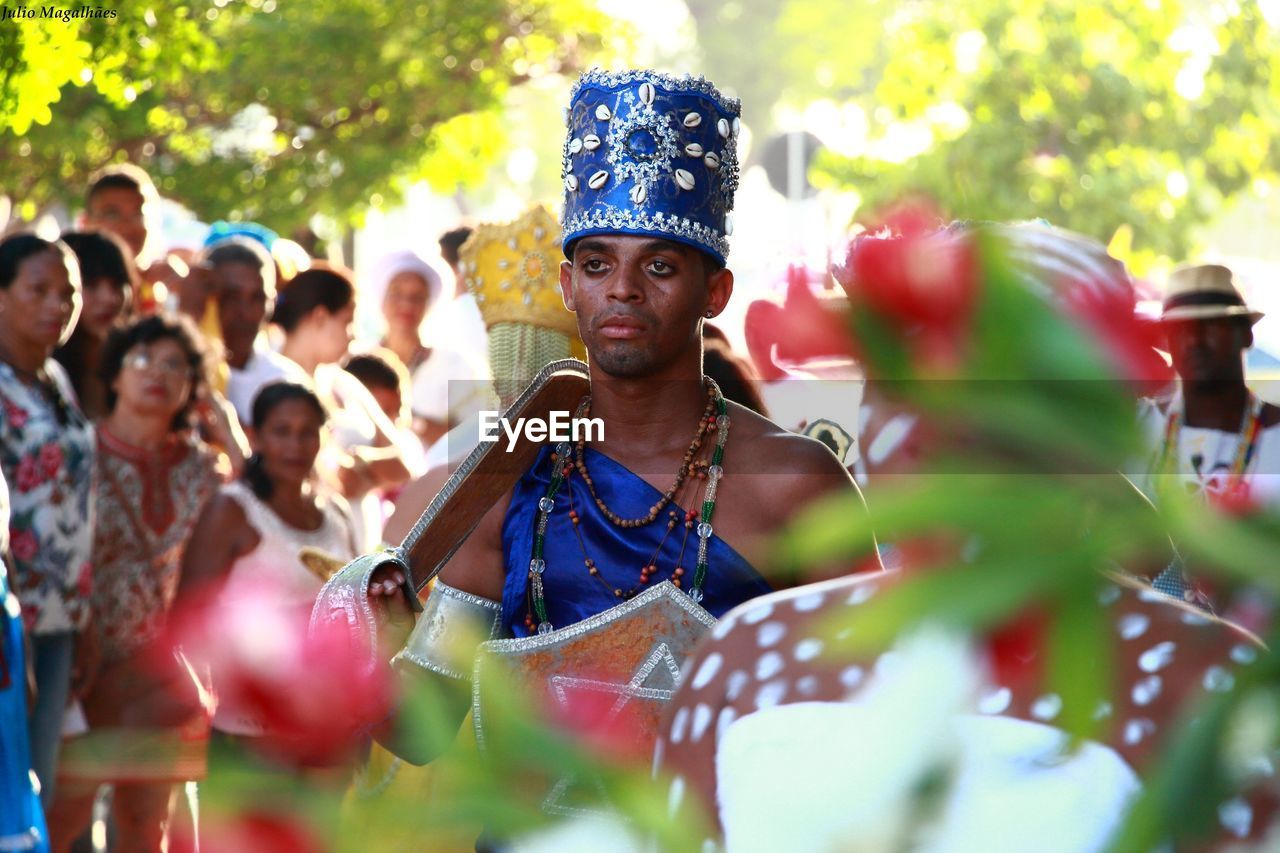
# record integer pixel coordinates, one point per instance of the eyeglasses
(142, 360)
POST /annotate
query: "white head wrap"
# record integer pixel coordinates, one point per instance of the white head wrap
(377, 275)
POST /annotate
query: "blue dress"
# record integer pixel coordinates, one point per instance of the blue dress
(21, 818)
(571, 594)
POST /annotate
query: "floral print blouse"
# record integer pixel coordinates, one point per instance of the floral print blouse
(147, 505)
(46, 453)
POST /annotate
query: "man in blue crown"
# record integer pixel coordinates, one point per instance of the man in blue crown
(683, 484)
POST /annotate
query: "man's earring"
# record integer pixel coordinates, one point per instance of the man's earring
(709, 314)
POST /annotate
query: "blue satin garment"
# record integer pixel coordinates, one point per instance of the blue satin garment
(571, 593)
(22, 825)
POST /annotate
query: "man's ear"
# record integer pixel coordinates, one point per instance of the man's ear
(1247, 337)
(566, 284)
(719, 289)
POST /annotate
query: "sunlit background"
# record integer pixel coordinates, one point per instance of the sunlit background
(1144, 124)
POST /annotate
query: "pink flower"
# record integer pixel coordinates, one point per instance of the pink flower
(602, 723)
(251, 831)
(313, 690)
(28, 474)
(1236, 499)
(799, 330)
(1128, 341)
(16, 415)
(922, 281)
(24, 546)
(50, 460)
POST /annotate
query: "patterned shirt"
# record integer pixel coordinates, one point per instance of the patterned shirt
(46, 453)
(148, 503)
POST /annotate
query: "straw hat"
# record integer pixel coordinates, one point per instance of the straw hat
(1202, 293)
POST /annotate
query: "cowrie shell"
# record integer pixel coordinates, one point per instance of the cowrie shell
(728, 225)
(692, 120)
(638, 194)
(737, 125)
(575, 145)
(603, 113)
(722, 128)
(646, 93)
(598, 180)
(693, 149)
(571, 182)
(712, 160)
(591, 142)
(684, 179)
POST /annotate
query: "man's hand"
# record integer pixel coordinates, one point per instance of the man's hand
(395, 617)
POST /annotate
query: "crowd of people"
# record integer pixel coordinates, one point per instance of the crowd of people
(197, 420)
(208, 428)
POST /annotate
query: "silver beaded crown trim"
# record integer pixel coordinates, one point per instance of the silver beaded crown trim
(613, 220)
(682, 83)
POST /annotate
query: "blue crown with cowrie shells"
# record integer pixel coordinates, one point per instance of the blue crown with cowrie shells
(650, 153)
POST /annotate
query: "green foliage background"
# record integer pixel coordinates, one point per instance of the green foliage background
(1073, 109)
(274, 112)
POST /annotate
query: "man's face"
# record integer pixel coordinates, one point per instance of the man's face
(1206, 352)
(121, 211)
(243, 303)
(639, 300)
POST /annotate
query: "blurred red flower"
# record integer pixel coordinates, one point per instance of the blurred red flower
(1014, 651)
(606, 718)
(799, 330)
(1129, 341)
(922, 280)
(1235, 499)
(312, 691)
(251, 832)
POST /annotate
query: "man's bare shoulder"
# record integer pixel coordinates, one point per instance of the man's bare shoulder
(770, 449)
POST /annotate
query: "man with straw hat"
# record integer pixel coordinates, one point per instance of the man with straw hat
(1214, 437)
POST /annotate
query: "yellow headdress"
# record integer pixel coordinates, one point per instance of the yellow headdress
(513, 271)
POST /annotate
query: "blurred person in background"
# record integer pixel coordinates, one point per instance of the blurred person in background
(122, 199)
(46, 454)
(153, 479)
(408, 290)
(22, 824)
(244, 277)
(388, 382)
(385, 377)
(736, 376)
(450, 242)
(108, 282)
(367, 453)
(1214, 438)
(248, 543)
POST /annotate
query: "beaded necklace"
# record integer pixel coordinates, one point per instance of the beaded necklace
(1249, 430)
(715, 419)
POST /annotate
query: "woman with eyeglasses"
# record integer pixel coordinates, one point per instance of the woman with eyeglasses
(153, 479)
(46, 454)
